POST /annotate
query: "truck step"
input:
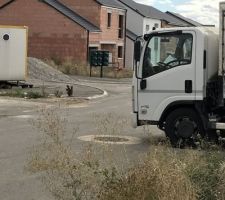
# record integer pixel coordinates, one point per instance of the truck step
(217, 126)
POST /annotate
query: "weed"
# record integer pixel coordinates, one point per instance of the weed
(58, 93)
(77, 68)
(161, 174)
(110, 124)
(43, 91)
(20, 93)
(33, 95)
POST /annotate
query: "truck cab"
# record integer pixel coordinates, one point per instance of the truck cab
(176, 84)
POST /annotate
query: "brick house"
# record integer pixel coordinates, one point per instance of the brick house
(57, 30)
(110, 17)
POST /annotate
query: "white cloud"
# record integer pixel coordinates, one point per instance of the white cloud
(165, 2)
(203, 11)
(147, 2)
(206, 12)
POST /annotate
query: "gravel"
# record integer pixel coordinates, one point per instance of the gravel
(38, 70)
(41, 75)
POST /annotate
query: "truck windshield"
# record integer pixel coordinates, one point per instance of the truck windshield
(165, 52)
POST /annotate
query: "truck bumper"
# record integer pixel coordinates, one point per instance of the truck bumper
(134, 120)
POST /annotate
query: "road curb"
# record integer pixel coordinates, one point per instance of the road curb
(95, 96)
(105, 93)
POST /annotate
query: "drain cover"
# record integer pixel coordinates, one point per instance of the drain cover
(110, 139)
(23, 116)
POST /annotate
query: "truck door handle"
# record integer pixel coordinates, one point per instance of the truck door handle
(143, 84)
(188, 86)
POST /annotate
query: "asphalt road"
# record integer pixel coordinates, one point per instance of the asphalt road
(18, 136)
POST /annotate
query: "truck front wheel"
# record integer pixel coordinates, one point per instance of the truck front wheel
(184, 128)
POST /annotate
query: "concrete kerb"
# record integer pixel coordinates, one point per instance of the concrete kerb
(104, 93)
(98, 96)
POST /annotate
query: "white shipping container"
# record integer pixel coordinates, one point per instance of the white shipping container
(13, 53)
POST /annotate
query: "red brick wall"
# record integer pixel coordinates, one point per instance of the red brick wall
(2, 2)
(110, 34)
(88, 9)
(51, 34)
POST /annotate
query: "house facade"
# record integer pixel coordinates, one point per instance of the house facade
(110, 17)
(141, 19)
(68, 29)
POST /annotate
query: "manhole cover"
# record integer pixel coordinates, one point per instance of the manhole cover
(23, 116)
(110, 139)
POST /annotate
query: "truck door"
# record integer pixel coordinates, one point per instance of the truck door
(168, 73)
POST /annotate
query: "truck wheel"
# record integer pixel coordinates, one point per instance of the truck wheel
(184, 128)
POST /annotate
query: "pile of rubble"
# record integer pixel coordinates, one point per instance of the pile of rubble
(38, 70)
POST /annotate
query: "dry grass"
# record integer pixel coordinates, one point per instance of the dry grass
(110, 124)
(74, 68)
(161, 174)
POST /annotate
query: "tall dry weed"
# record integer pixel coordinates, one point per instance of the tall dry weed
(93, 174)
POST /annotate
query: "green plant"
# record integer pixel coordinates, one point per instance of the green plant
(58, 93)
(33, 95)
(204, 173)
(56, 60)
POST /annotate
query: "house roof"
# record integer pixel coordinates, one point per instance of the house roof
(143, 10)
(190, 22)
(111, 3)
(4, 3)
(151, 12)
(174, 20)
(131, 35)
(72, 15)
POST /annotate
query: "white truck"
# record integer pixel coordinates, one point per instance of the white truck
(179, 82)
(13, 55)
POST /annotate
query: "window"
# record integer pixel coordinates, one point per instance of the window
(109, 20)
(166, 52)
(147, 28)
(121, 26)
(120, 52)
(156, 25)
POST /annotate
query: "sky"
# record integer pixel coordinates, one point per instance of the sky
(203, 11)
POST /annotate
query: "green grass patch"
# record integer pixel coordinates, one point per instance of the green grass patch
(22, 93)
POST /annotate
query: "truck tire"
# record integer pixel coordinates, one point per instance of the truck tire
(184, 128)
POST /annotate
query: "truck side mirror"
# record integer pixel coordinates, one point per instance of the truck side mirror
(137, 51)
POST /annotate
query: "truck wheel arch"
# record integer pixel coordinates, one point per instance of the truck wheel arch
(173, 106)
